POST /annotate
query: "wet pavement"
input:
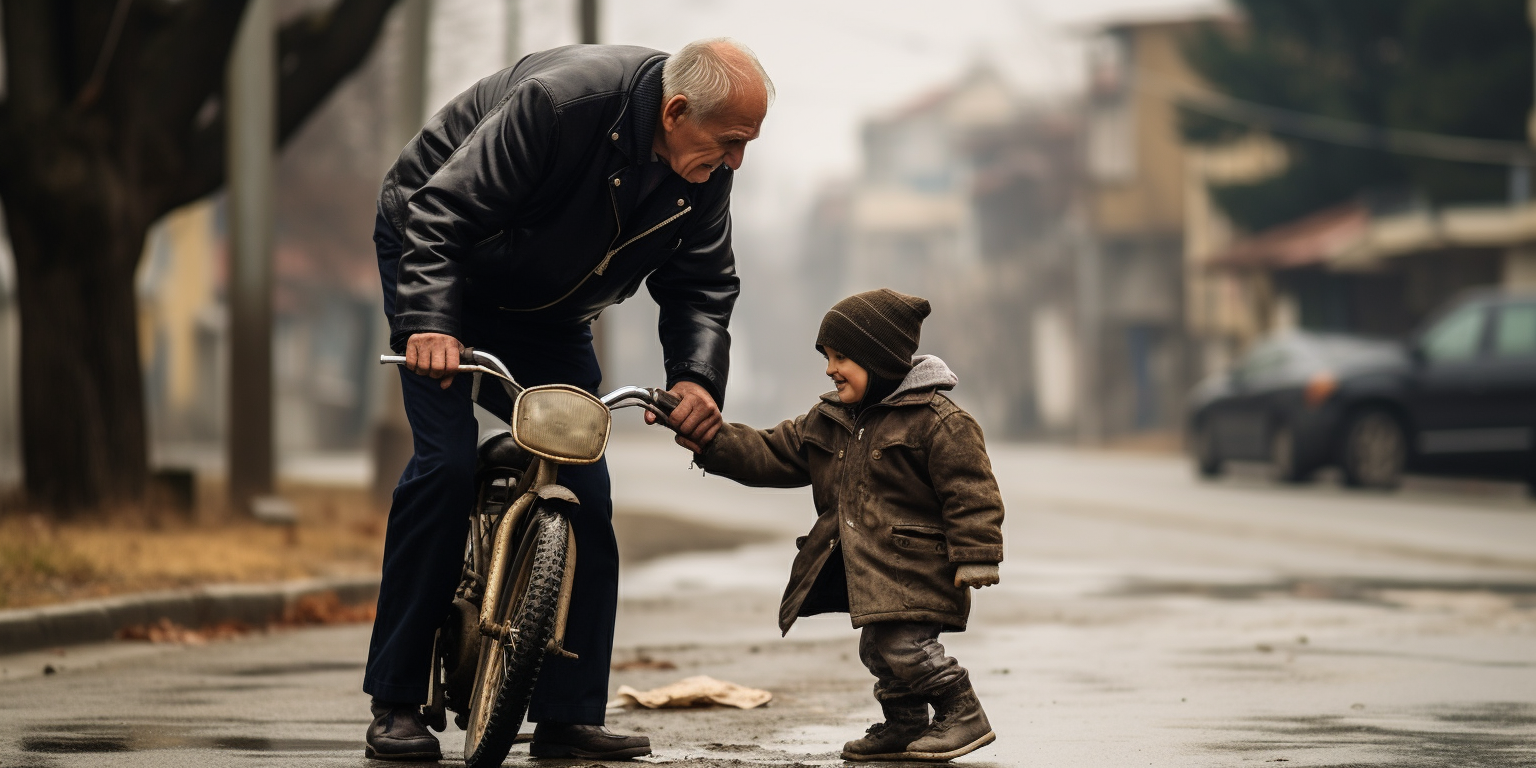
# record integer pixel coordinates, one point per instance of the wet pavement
(1144, 619)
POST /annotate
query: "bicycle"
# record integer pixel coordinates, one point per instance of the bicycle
(514, 593)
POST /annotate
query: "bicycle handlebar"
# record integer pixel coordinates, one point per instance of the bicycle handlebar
(657, 401)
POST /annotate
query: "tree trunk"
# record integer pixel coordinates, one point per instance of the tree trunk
(82, 398)
(102, 130)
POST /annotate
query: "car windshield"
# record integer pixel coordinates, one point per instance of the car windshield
(1457, 337)
(1515, 332)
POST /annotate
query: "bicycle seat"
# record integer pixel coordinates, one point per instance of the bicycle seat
(498, 449)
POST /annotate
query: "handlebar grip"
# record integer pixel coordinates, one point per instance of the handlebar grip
(665, 400)
(467, 356)
(391, 359)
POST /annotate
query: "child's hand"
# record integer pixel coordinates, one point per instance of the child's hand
(976, 575)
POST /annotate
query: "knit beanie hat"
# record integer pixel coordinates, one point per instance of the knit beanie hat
(876, 329)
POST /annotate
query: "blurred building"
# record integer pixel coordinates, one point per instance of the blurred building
(1137, 348)
(1375, 268)
(183, 331)
(967, 197)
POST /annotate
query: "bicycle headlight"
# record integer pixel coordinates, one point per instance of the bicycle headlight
(561, 423)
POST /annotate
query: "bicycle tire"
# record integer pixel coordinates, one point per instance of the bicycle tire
(540, 565)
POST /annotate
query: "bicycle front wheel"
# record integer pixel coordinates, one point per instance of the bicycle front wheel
(508, 668)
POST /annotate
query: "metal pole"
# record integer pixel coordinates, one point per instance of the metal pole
(512, 42)
(1090, 309)
(392, 446)
(411, 103)
(588, 16)
(251, 138)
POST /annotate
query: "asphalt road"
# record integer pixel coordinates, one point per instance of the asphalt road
(1144, 618)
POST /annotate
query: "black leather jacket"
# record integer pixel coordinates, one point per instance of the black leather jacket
(518, 199)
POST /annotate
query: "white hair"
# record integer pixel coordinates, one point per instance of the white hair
(706, 74)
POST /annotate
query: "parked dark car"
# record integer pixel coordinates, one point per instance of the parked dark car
(1457, 398)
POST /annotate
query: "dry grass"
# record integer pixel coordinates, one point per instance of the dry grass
(340, 532)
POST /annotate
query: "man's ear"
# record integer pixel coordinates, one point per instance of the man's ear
(673, 111)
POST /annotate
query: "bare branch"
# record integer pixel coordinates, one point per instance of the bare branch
(318, 51)
(183, 62)
(315, 53)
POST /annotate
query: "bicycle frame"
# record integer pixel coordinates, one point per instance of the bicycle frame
(492, 570)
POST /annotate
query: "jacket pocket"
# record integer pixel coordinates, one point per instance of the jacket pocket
(823, 442)
(485, 256)
(919, 538)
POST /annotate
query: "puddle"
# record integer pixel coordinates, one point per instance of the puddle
(1492, 714)
(300, 668)
(1493, 735)
(1382, 592)
(93, 738)
(75, 745)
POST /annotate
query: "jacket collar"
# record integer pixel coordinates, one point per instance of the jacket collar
(635, 129)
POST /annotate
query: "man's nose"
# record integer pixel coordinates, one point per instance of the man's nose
(735, 157)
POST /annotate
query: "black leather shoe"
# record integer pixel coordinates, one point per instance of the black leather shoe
(588, 742)
(397, 733)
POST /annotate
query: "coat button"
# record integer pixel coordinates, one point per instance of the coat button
(875, 455)
(839, 453)
(679, 202)
(616, 182)
(615, 137)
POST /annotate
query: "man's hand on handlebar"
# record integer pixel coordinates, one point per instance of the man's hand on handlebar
(696, 418)
(435, 355)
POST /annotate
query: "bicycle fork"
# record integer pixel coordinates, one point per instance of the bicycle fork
(544, 489)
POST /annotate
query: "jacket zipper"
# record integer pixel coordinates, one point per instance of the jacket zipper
(603, 266)
(674, 217)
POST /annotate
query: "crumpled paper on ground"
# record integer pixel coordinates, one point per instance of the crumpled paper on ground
(700, 691)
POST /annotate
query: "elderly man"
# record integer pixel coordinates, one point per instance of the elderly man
(534, 200)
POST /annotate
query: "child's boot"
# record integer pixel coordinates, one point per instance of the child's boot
(905, 719)
(959, 726)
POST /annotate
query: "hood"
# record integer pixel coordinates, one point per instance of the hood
(928, 373)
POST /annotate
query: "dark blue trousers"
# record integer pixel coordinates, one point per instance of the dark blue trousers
(429, 517)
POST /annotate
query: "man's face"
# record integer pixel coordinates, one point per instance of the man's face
(695, 148)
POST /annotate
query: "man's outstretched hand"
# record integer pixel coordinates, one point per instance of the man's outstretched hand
(435, 355)
(696, 418)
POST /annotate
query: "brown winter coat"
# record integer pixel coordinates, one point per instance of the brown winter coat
(906, 490)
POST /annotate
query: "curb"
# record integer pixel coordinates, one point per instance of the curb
(90, 621)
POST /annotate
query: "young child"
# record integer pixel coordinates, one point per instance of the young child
(908, 517)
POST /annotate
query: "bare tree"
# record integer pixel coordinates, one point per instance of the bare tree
(111, 118)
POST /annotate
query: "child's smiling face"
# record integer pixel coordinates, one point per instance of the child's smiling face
(849, 377)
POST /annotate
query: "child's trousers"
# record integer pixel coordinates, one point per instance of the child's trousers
(907, 659)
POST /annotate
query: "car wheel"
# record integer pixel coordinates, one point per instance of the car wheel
(1208, 462)
(1283, 467)
(1375, 450)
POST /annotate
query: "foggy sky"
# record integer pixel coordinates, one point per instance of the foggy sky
(834, 62)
